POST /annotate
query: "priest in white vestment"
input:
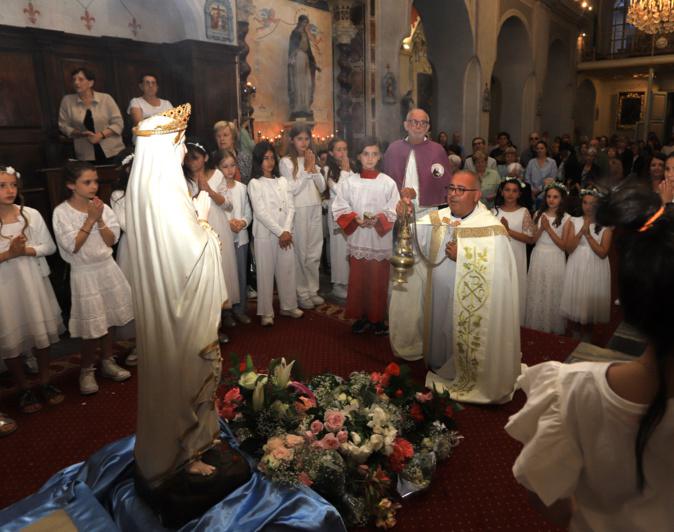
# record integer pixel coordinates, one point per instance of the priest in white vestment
(178, 290)
(472, 333)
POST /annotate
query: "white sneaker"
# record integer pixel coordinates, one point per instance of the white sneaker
(306, 304)
(31, 364)
(88, 384)
(132, 358)
(267, 321)
(252, 294)
(293, 313)
(317, 300)
(339, 291)
(242, 318)
(111, 370)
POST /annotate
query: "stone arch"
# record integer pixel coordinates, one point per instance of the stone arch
(450, 47)
(514, 69)
(557, 97)
(472, 84)
(586, 99)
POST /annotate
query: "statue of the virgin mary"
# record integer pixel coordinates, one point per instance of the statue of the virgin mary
(302, 70)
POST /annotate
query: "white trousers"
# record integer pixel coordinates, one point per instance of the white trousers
(272, 261)
(339, 256)
(308, 244)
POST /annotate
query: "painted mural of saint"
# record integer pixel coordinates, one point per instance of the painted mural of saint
(302, 70)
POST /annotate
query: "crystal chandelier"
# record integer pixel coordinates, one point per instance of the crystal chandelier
(652, 16)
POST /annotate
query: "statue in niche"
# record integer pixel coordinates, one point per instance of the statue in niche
(389, 86)
(486, 99)
(302, 70)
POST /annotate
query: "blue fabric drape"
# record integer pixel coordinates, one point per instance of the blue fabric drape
(99, 495)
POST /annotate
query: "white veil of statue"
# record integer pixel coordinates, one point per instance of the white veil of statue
(178, 291)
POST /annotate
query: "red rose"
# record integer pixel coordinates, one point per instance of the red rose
(392, 369)
(449, 411)
(417, 413)
(242, 366)
(398, 393)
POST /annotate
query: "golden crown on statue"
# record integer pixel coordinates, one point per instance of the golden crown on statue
(180, 116)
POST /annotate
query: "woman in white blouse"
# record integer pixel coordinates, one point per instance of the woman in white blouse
(149, 103)
(273, 213)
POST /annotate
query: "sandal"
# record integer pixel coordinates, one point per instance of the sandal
(29, 403)
(51, 394)
(7, 425)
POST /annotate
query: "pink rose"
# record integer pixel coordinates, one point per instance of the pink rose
(310, 436)
(334, 420)
(329, 441)
(282, 453)
(316, 426)
(233, 394)
(342, 436)
(292, 440)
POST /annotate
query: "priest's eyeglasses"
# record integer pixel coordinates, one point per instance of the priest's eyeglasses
(418, 123)
(459, 191)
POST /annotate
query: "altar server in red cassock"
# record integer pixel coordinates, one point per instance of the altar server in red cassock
(365, 209)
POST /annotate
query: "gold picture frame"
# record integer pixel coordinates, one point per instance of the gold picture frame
(630, 109)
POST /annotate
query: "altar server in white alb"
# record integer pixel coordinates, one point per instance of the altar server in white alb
(337, 167)
(30, 316)
(474, 333)
(273, 214)
(307, 184)
(86, 229)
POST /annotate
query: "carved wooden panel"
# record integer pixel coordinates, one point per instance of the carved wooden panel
(19, 97)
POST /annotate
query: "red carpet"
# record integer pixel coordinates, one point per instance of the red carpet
(473, 490)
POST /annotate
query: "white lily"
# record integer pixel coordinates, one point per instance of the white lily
(258, 396)
(282, 373)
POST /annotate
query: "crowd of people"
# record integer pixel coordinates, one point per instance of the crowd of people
(556, 201)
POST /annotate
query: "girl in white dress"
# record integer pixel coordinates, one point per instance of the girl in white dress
(273, 213)
(213, 182)
(598, 436)
(548, 262)
(30, 316)
(85, 230)
(239, 215)
(517, 221)
(337, 167)
(307, 184)
(586, 298)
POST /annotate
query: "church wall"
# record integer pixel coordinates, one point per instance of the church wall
(392, 23)
(271, 24)
(146, 20)
(606, 113)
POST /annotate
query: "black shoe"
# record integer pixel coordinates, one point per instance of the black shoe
(380, 329)
(360, 327)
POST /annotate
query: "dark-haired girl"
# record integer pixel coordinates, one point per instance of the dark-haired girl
(199, 178)
(273, 213)
(338, 167)
(86, 229)
(30, 317)
(300, 168)
(586, 297)
(517, 220)
(548, 262)
(598, 436)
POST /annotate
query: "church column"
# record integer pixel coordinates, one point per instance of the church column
(345, 31)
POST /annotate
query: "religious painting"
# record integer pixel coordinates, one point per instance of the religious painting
(291, 66)
(630, 108)
(219, 20)
(317, 4)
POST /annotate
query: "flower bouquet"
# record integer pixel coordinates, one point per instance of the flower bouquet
(360, 442)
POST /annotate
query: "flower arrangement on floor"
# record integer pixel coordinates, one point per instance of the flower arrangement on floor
(360, 442)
